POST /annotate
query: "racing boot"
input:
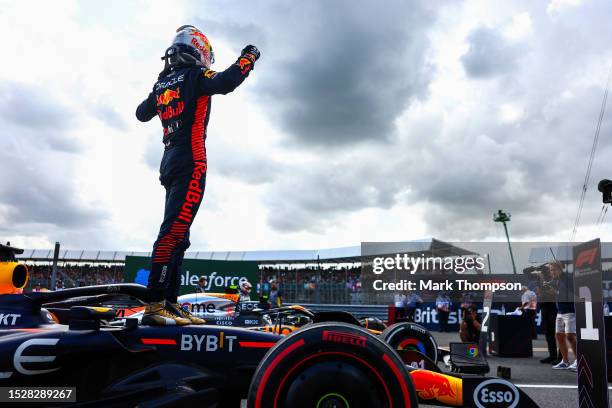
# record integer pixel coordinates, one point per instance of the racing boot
(156, 314)
(185, 314)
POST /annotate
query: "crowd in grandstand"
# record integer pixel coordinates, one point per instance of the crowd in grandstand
(75, 275)
(309, 275)
(302, 284)
(315, 284)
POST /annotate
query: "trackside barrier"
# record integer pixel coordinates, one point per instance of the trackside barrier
(425, 316)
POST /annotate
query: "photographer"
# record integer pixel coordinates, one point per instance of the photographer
(469, 329)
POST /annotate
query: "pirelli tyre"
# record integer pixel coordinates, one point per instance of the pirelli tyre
(331, 365)
(411, 336)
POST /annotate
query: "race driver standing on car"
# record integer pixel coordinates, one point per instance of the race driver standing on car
(181, 98)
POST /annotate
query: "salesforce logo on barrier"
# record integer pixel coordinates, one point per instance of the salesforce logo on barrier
(187, 279)
(213, 279)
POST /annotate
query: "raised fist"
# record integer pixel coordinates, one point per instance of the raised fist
(251, 52)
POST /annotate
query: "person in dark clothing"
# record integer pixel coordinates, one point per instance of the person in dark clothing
(201, 287)
(549, 318)
(469, 329)
(412, 303)
(443, 306)
(181, 98)
(547, 293)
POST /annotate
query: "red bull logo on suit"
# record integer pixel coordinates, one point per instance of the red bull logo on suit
(168, 96)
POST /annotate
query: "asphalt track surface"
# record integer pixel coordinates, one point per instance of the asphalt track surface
(547, 387)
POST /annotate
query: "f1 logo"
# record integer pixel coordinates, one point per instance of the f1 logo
(586, 256)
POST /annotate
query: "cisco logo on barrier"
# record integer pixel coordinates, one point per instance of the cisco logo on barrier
(496, 393)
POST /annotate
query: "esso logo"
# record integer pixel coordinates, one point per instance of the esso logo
(496, 393)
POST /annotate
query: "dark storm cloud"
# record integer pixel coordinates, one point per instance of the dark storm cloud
(462, 174)
(489, 54)
(353, 77)
(335, 73)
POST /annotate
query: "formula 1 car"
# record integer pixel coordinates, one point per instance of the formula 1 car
(224, 309)
(227, 310)
(320, 365)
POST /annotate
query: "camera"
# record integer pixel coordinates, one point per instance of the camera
(543, 269)
(468, 313)
(605, 188)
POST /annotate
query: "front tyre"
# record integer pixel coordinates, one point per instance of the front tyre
(411, 336)
(331, 366)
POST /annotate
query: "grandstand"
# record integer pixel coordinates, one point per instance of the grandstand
(349, 254)
(307, 276)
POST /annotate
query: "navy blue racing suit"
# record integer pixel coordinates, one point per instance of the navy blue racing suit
(182, 99)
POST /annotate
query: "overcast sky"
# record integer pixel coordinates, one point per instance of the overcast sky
(362, 121)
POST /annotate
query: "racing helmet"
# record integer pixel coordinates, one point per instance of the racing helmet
(245, 286)
(191, 44)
